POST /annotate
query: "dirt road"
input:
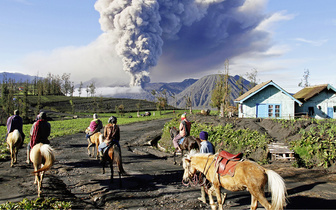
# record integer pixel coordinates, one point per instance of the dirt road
(153, 182)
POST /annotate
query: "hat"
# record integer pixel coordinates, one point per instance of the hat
(203, 135)
(183, 116)
(42, 115)
(95, 116)
(16, 112)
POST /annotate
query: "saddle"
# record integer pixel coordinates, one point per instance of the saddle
(226, 163)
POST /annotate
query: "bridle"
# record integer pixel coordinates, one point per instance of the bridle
(195, 180)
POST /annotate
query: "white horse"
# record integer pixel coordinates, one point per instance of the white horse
(14, 141)
(43, 159)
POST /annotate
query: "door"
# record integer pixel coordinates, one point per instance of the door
(262, 111)
(330, 112)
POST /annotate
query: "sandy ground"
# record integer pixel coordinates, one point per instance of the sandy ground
(153, 182)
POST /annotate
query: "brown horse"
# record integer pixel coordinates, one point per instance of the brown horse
(43, 159)
(93, 141)
(248, 176)
(113, 155)
(188, 143)
(14, 141)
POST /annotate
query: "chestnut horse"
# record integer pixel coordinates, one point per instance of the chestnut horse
(14, 141)
(113, 155)
(93, 141)
(42, 157)
(188, 143)
(248, 175)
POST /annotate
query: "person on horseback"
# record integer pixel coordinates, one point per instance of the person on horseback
(39, 132)
(111, 135)
(95, 125)
(15, 122)
(206, 147)
(184, 131)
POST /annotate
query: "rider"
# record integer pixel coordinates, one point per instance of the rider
(39, 132)
(111, 134)
(95, 125)
(206, 147)
(184, 131)
(15, 122)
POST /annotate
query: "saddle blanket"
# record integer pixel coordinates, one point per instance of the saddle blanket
(181, 140)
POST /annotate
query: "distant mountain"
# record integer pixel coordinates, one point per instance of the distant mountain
(16, 76)
(172, 88)
(201, 92)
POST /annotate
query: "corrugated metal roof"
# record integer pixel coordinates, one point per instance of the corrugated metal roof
(308, 92)
(254, 89)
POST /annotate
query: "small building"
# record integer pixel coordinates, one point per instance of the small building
(318, 101)
(267, 100)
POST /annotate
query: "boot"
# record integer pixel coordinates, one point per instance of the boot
(101, 155)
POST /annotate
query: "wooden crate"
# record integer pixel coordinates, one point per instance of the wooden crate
(279, 151)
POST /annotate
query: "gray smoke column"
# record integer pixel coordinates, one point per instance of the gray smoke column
(135, 26)
(198, 33)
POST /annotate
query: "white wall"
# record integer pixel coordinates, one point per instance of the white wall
(324, 99)
(269, 95)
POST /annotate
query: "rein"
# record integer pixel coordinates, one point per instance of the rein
(196, 179)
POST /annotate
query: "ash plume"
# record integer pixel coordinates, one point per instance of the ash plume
(187, 35)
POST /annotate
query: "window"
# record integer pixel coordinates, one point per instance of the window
(334, 108)
(274, 110)
(277, 110)
(311, 111)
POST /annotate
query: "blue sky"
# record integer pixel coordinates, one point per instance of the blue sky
(65, 36)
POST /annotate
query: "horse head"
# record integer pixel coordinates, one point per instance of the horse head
(87, 130)
(189, 170)
(173, 132)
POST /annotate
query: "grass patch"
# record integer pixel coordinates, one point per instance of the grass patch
(39, 203)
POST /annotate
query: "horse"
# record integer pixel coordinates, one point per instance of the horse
(113, 155)
(93, 140)
(14, 141)
(42, 157)
(188, 143)
(248, 175)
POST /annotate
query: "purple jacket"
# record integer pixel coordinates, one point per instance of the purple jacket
(14, 122)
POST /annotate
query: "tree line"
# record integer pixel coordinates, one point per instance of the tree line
(14, 94)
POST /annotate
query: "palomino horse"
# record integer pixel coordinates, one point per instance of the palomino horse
(188, 143)
(14, 141)
(43, 158)
(113, 155)
(93, 140)
(248, 175)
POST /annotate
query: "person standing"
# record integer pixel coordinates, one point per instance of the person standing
(15, 122)
(184, 131)
(206, 147)
(39, 132)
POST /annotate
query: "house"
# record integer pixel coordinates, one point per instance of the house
(267, 100)
(318, 101)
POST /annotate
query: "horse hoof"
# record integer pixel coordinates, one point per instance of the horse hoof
(175, 163)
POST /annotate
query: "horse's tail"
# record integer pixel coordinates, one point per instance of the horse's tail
(47, 153)
(118, 160)
(277, 187)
